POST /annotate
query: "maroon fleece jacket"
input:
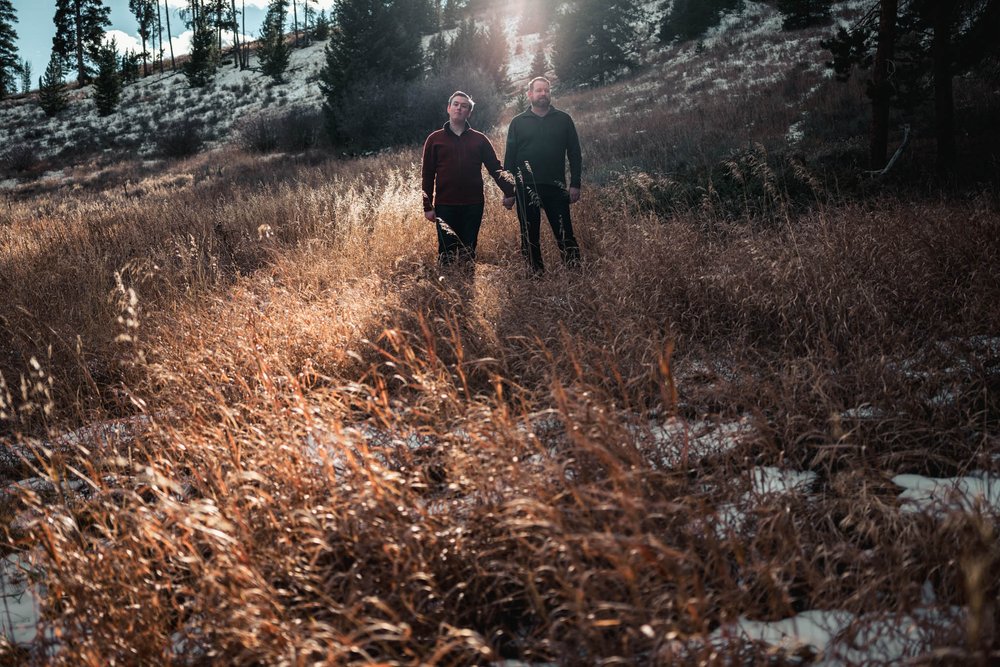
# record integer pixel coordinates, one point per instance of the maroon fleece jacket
(455, 163)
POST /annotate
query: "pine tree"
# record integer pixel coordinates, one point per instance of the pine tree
(145, 15)
(25, 76)
(450, 14)
(52, 95)
(539, 64)
(108, 84)
(9, 62)
(79, 30)
(274, 52)
(493, 53)
(596, 41)
(536, 16)
(690, 19)
(372, 40)
(321, 30)
(202, 61)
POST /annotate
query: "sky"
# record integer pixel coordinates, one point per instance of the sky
(35, 28)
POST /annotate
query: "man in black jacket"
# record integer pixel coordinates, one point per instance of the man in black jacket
(539, 141)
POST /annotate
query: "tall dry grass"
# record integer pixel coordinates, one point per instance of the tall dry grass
(338, 453)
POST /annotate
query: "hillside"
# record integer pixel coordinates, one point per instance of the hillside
(248, 419)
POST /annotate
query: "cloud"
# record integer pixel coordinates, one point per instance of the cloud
(124, 41)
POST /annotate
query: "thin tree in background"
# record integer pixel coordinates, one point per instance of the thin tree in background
(200, 67)
(539, 64)
(881, 87)
(108, 84)
(237, 51)
(80, 28)
(9, 62)
(295, 21)
(159, 37)
(321, 30)
(142, 10)
(170, 37)
(25, 76)
(52, 95)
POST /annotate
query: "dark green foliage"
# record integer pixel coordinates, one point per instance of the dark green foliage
(274, 51)
(418, 15)
(408, 111)
(482, 48)
(293, 131)
(804, 13)
(108, 84)
(130, 67)
(200, 67)
(450, 14)
(80, 28)
(9, 62)
(596, 41)
(540, 63)
(371, 42)
(690, 19)
(25, 76)
(321, 29)
(52, 96)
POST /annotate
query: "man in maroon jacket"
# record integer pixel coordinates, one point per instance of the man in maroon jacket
(453, 161)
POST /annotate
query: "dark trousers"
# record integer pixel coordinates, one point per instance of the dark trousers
(554, 200)
(464, 221)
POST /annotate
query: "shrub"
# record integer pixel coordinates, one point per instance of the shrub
(19, 159)
(297, 129)
(179, 139)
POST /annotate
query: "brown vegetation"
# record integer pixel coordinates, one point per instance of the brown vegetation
(338, 453)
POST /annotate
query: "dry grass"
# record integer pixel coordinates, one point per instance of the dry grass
(350, 457)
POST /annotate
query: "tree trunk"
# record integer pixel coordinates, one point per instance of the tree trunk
(237, 54)
(81, 67)
(295, 21)
(159, 36)
(880, 88)
(170, 37)
(944, 103)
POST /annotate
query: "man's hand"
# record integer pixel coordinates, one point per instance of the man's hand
(574, 195)
(508, 203)
(431, 215)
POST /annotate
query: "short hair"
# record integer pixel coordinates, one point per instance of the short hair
(457, 93)
(531, 84)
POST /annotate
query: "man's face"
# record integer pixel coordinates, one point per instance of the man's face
(459, 109)
(540, 95)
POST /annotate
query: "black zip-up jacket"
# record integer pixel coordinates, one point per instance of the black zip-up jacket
(537, 147)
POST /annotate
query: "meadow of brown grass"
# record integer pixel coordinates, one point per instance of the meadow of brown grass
(335, 452)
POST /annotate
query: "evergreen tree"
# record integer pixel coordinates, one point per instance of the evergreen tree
(690, 19)
(539, 64)
(9, 62)
(145, 15)
(450, 14)
(52, 95)
(25, 76)
(79, 30)
(372, 41)
(130, 63)
(321, 30)
(274, 52)
(492, 56)
(436, 54)
(202, 61)
(596, 41)
(108, 84)
(804, 13)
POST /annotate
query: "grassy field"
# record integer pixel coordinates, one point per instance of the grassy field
(327, 449)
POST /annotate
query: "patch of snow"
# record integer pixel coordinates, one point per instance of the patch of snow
(942, 495)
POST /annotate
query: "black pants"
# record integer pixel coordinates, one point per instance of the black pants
(464, 221)
(531, 200)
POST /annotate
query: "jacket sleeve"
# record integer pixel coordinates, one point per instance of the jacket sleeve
(510, 152)
(495, 169)
(427, 172)
(575, 155)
